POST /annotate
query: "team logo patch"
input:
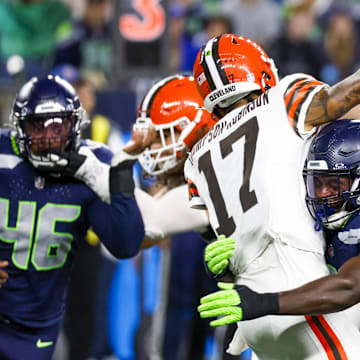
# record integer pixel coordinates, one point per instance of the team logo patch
(340, 166)
(201, 79)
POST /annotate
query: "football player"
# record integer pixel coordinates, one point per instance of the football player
(174, 109)
(246, 171)
(332, 175)
(53, 187)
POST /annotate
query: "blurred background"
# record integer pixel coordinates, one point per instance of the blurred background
(121, 46)
(112, 51)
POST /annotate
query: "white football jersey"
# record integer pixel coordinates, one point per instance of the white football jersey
(162, 218)
(247, 171)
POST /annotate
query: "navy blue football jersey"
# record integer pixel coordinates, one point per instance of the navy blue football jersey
(344, 243)
(42, 221)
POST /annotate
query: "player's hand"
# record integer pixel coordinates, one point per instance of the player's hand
(141, 138)
(93, 172)
(218, 253)
(237, 303)
(222, 303)
(57, 163)
(82, 165)
(3, 274)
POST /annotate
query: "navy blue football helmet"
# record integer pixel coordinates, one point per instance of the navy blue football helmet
(48, 116)
(332, 173)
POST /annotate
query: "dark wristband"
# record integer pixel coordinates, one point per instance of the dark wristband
(121, 178)
(208, 235)
(226, 275)
(257, 305)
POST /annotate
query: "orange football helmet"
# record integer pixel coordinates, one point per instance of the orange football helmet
(172, 104)
(229, 67)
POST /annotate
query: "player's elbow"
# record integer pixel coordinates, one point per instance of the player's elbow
(125, 245)
(128, 253)
(125, 252)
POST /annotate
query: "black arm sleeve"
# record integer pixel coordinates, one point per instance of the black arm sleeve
(121, 178)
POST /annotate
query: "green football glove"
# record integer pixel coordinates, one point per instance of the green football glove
(218, 253)
(237, 303)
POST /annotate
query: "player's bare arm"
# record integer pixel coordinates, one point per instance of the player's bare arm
(148, 243)
(331, 103)
(328, 294)
(140, 140)
(3, 274)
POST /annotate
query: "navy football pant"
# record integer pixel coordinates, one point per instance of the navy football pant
(18, 342)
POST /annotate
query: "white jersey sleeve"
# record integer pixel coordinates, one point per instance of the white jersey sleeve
(196, 201)
(298, 90)
(169, 214)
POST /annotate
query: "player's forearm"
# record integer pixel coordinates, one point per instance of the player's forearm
(119, 224)
(328, 294)
(317, 299)
(332, 103)
(148, 243)
(127, 226)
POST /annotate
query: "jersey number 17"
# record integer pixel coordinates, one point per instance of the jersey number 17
(248, 199)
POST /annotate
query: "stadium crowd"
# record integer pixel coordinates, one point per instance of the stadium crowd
(145, 307)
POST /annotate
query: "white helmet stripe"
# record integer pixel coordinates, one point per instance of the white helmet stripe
(210, 63)
(149, 97)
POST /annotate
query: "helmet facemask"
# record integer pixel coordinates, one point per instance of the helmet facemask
(332, 174)
(41, 136)
(48, 116)
(175, 109)
(332, 207)
(169, 153)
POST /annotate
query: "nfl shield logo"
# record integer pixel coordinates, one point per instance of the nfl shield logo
(39, 182)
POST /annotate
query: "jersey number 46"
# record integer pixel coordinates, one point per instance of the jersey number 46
(34, 238)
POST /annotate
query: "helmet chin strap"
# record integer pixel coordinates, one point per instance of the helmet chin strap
(337, 220)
